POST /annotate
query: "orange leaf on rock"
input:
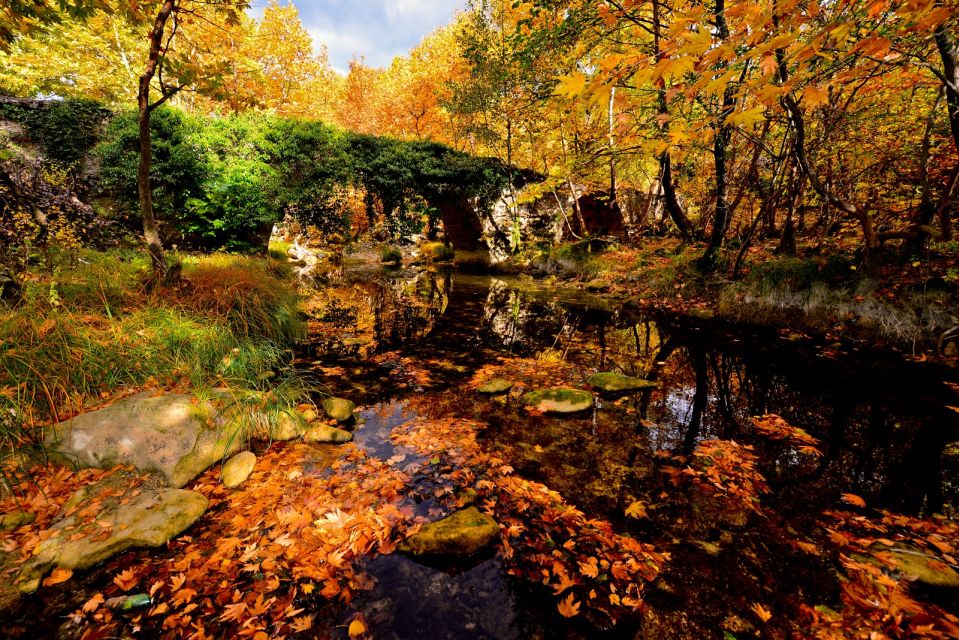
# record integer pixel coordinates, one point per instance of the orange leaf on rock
(58, 576)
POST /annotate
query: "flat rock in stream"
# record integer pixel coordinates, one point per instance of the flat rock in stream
(611, 382)
(173, 435)
(495, 386)
(340, 409)
(559, 400)
(325, 434)
(150, 518)
(461, 534)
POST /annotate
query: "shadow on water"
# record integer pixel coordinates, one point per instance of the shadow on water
(409, 344)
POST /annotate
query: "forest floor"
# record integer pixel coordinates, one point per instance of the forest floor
(284, 554)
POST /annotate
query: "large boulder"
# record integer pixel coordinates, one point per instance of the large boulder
(611, 382)
(173, 435)
(559, 400)
(151, 517)
(461, 534)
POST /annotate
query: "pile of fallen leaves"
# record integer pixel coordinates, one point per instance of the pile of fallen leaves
(776, 428)
(877, 596)
(41, 495)
(545, 539)
(272, 552)
(724, 471)
(529, 373)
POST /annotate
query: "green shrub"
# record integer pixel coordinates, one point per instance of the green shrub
(390, 254)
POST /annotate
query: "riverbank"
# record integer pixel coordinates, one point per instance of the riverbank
(911, 307)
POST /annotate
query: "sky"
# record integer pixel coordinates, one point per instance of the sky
(377, 29)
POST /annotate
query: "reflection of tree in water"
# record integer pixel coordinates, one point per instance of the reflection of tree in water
(408, 309)
(880, 436)
(876, 438)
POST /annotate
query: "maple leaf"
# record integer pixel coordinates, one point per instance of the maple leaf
(302, 623)
(57, 576)
(636, 510)
(854, 500)
(233, 612)
(93, 603)
(127, 579)
(568, 607)
(762, 612)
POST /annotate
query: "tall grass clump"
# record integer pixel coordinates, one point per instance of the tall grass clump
(88, 332)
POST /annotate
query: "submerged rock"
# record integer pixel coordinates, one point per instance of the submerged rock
(11, 521)
(339, 409)
(925, 569)
(616, 382)
(598, 286)
(559, 400)
(237, 469)
(325, 434)
(174, 435)
(461, 534)
(495, 386)
(150, 519)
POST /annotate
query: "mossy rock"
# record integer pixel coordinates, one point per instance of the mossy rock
(237, 469)
(617, 383)
(598, 286)
(339, 409)
(462, 534)
(559, 400)
(495, 386)
(325, 434)
(15, 520)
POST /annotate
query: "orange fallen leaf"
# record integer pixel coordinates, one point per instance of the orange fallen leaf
(568, 607)
(126, 580)
(93, 603)
(58, 576)
(762, 612)
(854, 500)
(357, 629)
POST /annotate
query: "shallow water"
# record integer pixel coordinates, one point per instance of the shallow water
(409, 346)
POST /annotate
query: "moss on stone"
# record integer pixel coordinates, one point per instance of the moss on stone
(461, 534)
(559, 400)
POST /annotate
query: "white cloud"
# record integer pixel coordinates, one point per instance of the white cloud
(376, 29)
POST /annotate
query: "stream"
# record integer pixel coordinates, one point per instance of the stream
(406, 346)
(409, 346)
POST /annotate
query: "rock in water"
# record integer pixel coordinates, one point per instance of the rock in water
(617, 382)
(461, 534)
(325, 434)
(559, 400)
(924, 568)
(339, 408)
(237, 469)
(598, 286)
(495, 386)
(151, 519)
(174, 435)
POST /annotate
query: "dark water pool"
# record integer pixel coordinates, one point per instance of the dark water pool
(408, 346)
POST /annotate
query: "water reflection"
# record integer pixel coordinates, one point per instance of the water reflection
(883, 422)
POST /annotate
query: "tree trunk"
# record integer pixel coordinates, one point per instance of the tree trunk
(670, 198)
(949, 52)
(150, 233)
(721, 141)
